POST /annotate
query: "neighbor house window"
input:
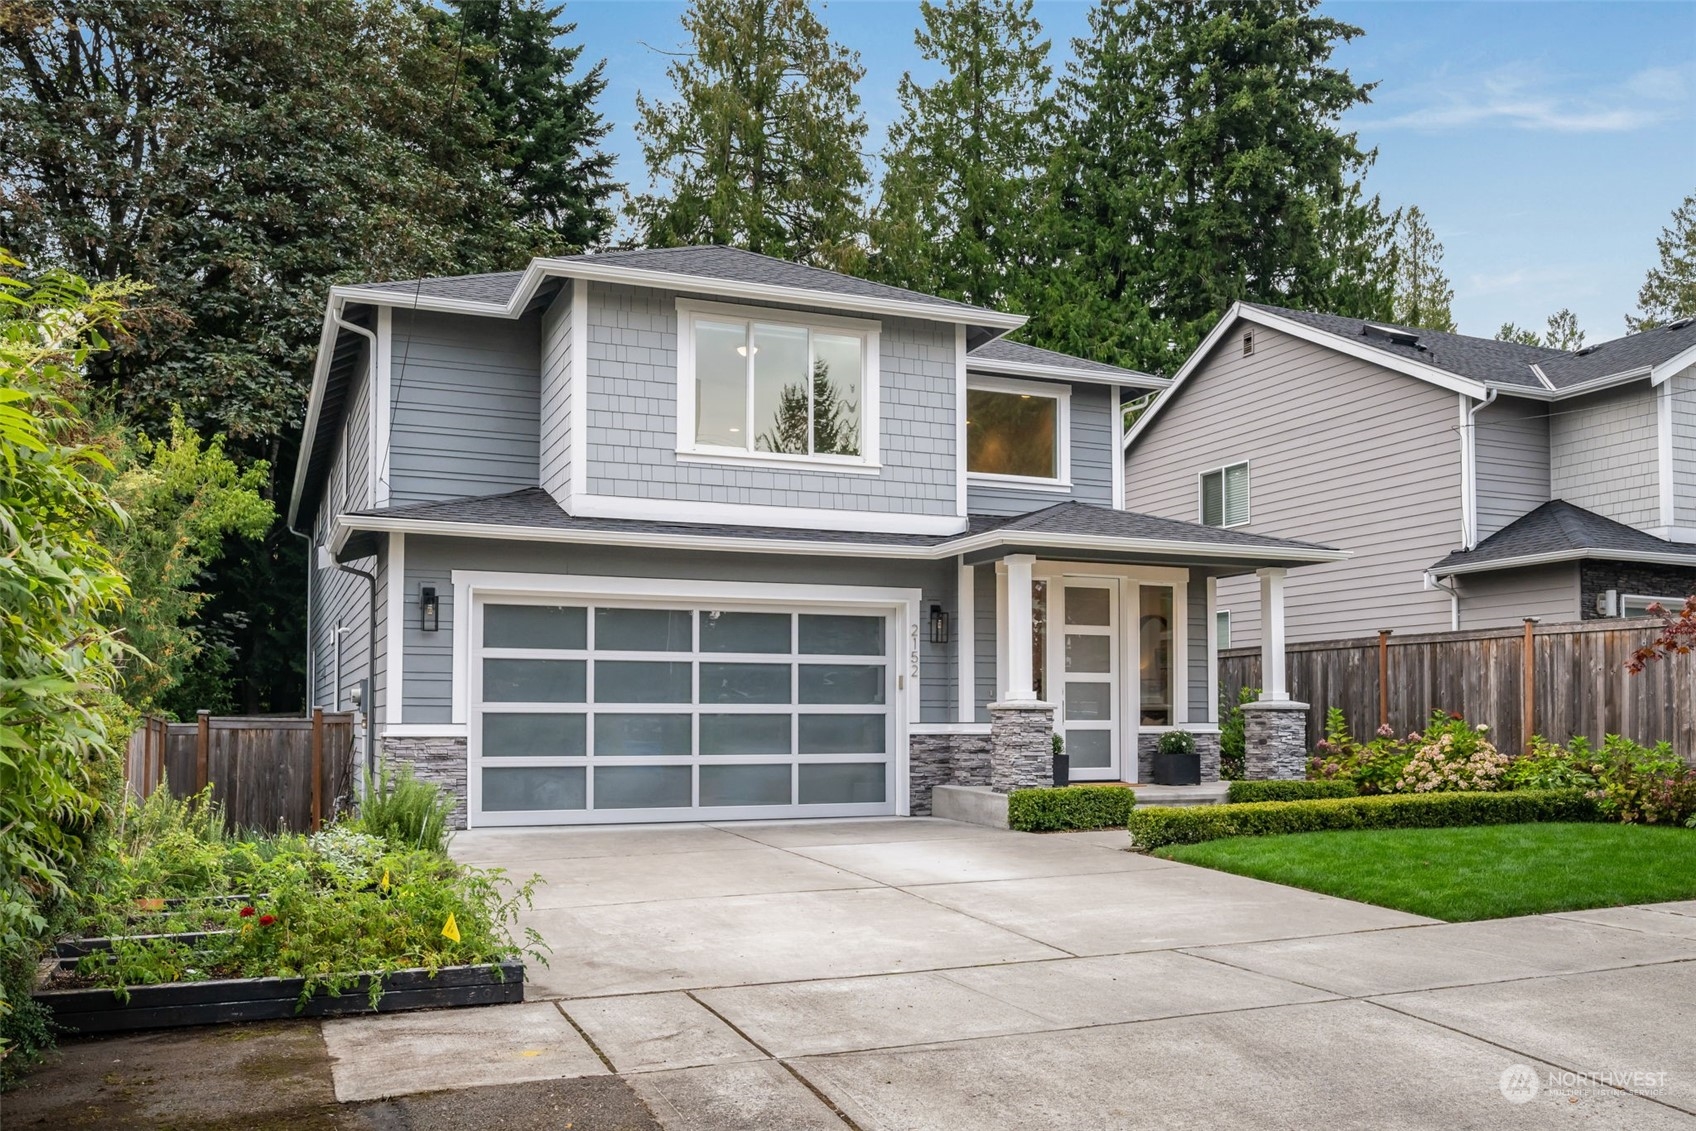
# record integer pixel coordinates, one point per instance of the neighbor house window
(1224, 496)
(1634, 606)
(768, 386)
(1016, 430)
(1222, 628)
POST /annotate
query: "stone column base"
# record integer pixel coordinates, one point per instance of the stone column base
(1275, 740)
(438, 759)
(1021, 746)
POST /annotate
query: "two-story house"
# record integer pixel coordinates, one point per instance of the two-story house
(699, 534)
(1477, 482)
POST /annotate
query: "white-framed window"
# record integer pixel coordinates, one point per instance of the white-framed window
(1222, 628)
(1634, 605)
(775, 386)
(1016, 432)
(1224, 495)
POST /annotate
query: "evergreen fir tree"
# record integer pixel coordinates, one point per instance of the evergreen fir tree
(1669, 289)
(1422, 292)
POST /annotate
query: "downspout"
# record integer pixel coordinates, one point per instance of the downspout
(1471, 443)
(1454, 598)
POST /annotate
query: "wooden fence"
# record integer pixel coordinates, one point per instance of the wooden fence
(267, 773)
(1578, 683)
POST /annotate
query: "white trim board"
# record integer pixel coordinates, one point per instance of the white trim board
(1127, 377)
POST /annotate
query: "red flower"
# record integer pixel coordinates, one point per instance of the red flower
(267, 920)
(247, 913)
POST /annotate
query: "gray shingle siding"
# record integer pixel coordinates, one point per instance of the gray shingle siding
(1603, 453)
(1506, 598)
(466, 416)
(1342, 452)
(431, 561)
(555, 470)
(1092, 437)
(632, 425)
(1513, 461)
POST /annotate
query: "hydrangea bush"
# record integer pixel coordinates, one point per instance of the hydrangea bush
(1452, 756)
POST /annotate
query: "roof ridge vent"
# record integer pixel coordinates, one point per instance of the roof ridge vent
(1678, 324)
(1584, 352)
(1395, 335)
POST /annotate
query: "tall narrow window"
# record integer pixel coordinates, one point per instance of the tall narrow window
(1224, 496)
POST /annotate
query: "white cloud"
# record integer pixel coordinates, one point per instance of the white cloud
(1521, 98)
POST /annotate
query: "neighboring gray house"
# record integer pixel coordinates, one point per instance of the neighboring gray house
(695, 533)
(1477, 482)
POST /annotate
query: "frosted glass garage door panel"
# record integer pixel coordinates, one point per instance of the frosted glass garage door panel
(642, 787)
(644, 630)
(746, 632)
(842, 683)
(735, 735)
(841, 734)
(846, 783)
(535, 626)
(841, 635)
(745, 785)
(641, 736)
(508, 789)
(523, 735)
(534, 681)
(744, 683)
(642, 681)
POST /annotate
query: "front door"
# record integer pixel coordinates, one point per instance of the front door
(1083, 667)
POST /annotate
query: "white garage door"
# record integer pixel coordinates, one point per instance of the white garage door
(623, 710)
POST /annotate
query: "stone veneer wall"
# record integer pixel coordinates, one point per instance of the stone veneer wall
(1275, 740)
(1206, 744)
(1596, 578)
(437, 759)
(944, 759)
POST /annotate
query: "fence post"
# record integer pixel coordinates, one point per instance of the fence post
(1384, 677)
(1528, 689)
(317, 768)
(202, 748)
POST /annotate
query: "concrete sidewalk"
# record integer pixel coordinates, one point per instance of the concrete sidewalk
(916, 974)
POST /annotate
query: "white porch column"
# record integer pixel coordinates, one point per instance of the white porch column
(1020, 685)
(1272, 681)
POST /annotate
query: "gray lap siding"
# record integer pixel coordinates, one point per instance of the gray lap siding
(431, 561)
(632, 421)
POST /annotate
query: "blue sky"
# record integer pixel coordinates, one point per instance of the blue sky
(1547, 143)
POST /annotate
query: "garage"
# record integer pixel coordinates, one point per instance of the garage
(618, 708)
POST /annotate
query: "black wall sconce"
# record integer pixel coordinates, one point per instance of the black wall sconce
(938, 625)
(429, 609)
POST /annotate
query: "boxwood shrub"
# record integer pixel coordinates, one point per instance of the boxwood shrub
(1155, 826)
(1245, 791)
(1069, 807)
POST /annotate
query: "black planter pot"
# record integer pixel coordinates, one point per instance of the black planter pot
(1062, 769)
(1177, 769)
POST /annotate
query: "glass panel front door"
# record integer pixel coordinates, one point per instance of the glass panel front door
(1084, 661)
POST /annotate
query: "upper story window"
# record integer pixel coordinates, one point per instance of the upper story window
(1016, 430)
(767, 385)
(1224, 496)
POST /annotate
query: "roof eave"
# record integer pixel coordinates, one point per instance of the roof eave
(999, 368)
(1163, 547)
(1557, 557)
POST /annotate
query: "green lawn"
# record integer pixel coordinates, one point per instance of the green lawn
(1485, 872)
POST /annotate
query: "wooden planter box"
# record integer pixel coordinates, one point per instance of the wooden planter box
(266, 999)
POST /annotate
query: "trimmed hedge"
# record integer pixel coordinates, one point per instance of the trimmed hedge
(1070, 807)
(1242, 792)
(1155, 827)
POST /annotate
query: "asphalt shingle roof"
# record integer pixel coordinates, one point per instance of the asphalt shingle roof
(1508, 364)
(1018, 353)
(535, 508)
(1559, 527)
(710, 262)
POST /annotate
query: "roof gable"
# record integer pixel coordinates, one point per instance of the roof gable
(1561, 531)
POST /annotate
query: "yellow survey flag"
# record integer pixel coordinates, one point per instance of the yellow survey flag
(385, 884)
(450, 929)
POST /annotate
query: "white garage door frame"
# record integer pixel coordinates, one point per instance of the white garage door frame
(472, 589)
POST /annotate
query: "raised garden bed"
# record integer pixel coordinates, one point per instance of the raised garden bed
(103, 1010)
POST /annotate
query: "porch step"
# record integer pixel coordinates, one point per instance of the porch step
(1210, 793)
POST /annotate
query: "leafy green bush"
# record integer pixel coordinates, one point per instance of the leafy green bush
(1241, 792)
(1645, 785)
(1069, 807)
(1451, 755)
(1155, 826)
(1233, 734)
(1374, 767)
(1548, 766)
(404, 811)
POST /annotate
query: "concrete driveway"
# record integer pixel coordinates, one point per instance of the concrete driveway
(918, 974)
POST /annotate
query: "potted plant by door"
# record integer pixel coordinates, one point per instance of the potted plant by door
(1175, 759)
(1062, 761)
